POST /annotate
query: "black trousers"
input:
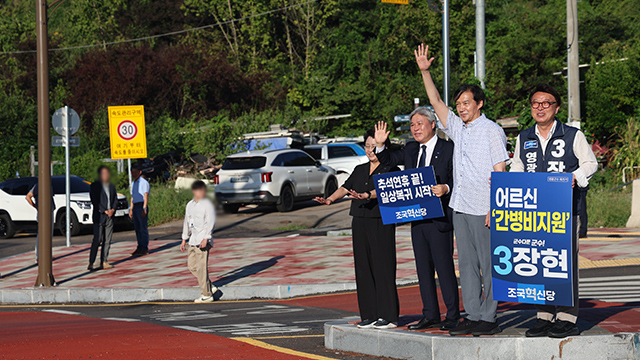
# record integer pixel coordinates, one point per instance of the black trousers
(567, 313)
(582, 211)
(374, 254)
(433, 251)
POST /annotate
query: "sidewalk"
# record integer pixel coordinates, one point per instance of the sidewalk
(261, 266)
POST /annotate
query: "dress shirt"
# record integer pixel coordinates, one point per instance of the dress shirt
(431, 144)
(588, 164)
(199, 221)
(479, 145)
(138, 189)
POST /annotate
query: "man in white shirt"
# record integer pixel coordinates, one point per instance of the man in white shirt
(551, 146)
(197, 237)
(139, 210)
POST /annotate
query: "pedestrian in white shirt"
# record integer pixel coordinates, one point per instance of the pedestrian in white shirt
(197, 238)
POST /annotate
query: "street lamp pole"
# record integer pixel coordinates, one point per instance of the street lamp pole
(45, 268)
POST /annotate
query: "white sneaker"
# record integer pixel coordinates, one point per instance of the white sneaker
(214, 289)
(384, 324)
(204, 299)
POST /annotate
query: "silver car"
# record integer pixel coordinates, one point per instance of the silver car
(279, 177)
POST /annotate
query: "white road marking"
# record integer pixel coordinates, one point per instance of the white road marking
(66, 312)
(121, 319)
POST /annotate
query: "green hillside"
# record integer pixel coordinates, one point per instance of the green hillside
(287, 61)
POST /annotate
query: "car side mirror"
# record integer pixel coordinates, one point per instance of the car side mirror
(318, 164)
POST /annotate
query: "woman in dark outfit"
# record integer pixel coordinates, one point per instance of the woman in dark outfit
(374, 244)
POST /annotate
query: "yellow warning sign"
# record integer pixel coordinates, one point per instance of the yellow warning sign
(127, 132)
(401, 2)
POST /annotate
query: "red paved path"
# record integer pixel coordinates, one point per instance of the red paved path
(39, 335)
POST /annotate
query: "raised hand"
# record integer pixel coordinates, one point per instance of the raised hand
(381, 134)
(422, 57)
(323, 201)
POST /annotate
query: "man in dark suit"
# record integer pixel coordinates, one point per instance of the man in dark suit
(433, 238)
(104, 200)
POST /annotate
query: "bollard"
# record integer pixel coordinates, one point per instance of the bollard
(634, 219)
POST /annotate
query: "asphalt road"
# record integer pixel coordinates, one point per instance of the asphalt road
(298, 328)
(307, 218)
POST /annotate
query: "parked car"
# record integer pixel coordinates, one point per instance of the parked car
(342, 157)
(17, 215)
(279, 177)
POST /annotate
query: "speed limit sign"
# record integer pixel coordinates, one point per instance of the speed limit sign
(127, 132)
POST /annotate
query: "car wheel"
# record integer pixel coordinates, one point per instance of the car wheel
(62, 223)
(230, 208)
(285, 203)
(330, 188)
(7, 227)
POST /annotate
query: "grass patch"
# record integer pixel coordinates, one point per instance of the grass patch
(608, 208)
(167, 203)
(291, 227)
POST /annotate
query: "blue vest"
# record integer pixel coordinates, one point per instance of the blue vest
(558, 156)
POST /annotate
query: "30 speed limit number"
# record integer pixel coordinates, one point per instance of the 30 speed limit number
(127, 132)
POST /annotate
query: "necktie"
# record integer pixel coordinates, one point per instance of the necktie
(423, 157)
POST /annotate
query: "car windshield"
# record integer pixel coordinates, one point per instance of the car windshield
(243, 163)
(316, 153)
(78, 185)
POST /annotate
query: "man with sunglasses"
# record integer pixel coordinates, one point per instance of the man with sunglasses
(554, 147)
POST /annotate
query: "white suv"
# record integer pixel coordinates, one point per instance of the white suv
(17, 215)
(278, 177)
(343, 157)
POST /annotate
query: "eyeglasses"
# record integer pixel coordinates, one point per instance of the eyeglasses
(370, 147)
(544, 104)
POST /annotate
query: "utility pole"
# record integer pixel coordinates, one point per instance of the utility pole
(445, 50)
(573, 69)
(480, 41)
(45, 268)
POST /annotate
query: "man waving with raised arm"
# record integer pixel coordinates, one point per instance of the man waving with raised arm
(480, 148)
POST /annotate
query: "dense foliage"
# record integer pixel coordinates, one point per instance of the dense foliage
(203, 88)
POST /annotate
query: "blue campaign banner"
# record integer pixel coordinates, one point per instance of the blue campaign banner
(531, 225)
(406, 196)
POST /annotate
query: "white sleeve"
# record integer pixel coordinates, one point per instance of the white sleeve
(588, 164)
(516, 162)
(186, 229)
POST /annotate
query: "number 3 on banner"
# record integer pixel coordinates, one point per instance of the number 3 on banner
(505, 256)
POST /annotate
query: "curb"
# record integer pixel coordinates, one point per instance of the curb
(129, 295)
(342, 336)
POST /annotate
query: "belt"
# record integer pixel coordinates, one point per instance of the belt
(138, 203)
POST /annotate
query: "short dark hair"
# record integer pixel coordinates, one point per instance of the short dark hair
(103, 167)
(135, 167)
(546, 88)
(478, 93)
(198, 185)
(372, 133)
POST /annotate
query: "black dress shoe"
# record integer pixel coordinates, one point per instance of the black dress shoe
(562, 329)
(425, 323)
(464, 328)
(540, 328)
(449, 324)
(486, 328)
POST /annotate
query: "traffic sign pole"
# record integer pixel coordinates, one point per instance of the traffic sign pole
(67, 174)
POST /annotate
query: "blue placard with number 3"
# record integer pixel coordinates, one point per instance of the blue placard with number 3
(531, 227)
